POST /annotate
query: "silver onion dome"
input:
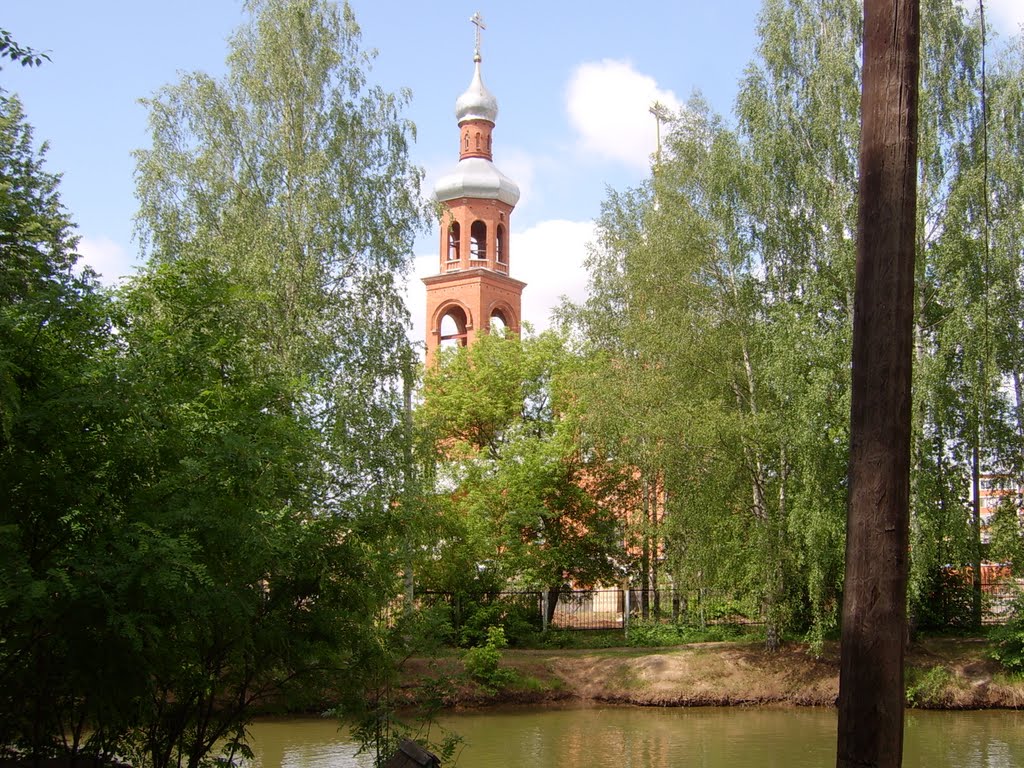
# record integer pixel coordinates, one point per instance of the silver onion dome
(477, 103)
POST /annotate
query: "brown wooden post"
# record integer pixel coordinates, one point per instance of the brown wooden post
(874, 593)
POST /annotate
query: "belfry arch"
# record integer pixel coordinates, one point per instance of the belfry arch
(454, 241)
(451, 325)
(502, 317)
(478, 241)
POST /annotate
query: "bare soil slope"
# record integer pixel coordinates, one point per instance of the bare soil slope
(941, 673)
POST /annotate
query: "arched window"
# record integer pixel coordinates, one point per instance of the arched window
(453, 329)
(454, 239)
(467, 139)
(500, 254)
(498, 324)
(478, 139)
(478, 240)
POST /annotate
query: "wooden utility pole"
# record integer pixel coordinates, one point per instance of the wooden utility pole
(874, 593)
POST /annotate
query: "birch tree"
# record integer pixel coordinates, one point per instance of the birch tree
(292, 174)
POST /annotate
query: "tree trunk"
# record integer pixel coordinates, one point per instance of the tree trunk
(655, 542)
(553, 593)
(645, 553)
(875, 587)
(976, 527)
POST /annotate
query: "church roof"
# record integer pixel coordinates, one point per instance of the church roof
(477, 177)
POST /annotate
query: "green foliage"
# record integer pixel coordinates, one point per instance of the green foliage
(927, 688)
(376, 713)
(654, 634)
(483, 663)
(291, 175)
(1007, 640)
(946, 604)
(200, 507)
(59, 472)
(11, 49)
(264, 344)
(1006, 535)
(716, 337)
(568, 638)
(517, 619)
(521, 499)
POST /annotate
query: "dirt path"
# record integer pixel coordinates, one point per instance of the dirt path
(941, 673)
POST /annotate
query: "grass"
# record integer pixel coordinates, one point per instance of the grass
(927, 688)
(642, 634)
(625, 678)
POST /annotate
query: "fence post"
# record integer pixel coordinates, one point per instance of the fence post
(544, 610)
(625, 615)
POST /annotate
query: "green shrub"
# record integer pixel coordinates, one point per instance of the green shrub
(926, 688)
(654, 634)
(483, 663)
(946, 604)
(1008, 640)
(519, 622)
(578, 639)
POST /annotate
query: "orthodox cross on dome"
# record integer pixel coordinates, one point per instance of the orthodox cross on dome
(477, 20)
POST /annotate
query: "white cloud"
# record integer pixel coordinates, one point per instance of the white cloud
(107, 257)
(416, 295)
(548, 257)
(608, 104)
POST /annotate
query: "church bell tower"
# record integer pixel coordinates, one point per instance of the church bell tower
(472, 292)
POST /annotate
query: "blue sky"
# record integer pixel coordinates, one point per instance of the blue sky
(573, 82)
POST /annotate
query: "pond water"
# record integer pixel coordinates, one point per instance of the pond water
(626, 737)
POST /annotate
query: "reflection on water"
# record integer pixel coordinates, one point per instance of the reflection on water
(625, 737)
(304, 743)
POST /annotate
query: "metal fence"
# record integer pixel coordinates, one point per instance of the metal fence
(998, 599)
(594, 609)
(616, 608)
(611, 609)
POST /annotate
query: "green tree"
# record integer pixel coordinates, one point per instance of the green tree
(536, 508)
(267, 338)
(57, 406)
(969, 295)
(243, 590)
(798, 111)
(679, 391)
(739, 251)
(292, 175)
(1006, 535)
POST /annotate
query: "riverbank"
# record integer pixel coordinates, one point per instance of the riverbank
(942, 673)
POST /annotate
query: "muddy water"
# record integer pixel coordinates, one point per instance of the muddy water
(662, 738)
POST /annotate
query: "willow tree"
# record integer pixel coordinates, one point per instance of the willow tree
(696, 270)
(779, 211)
(966, 417)
(1004, 134)
(673, 383)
